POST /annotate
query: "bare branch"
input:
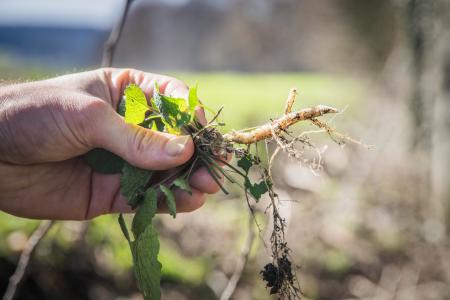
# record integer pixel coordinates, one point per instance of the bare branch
(240, 265)
(114, 37)
(30, 246)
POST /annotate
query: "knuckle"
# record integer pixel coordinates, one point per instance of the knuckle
(178, 83)
(89, 116)
(142, 139)
(95, 107)
(174, 86)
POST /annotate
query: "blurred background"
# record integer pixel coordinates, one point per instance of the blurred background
(372, 224)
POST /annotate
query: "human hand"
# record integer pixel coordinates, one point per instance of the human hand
(46, 125)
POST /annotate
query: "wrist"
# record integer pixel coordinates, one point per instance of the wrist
(6, 94)
(11, 105)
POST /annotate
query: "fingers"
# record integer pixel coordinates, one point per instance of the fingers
(185, 201)
(149, 149)
(200, 181)
(203, 181)
(200, 113)
(118, 79)
(141, 147)
(106, 199)
(174, 88)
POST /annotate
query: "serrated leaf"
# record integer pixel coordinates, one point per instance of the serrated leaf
(103, 161)
(175, 112)
(245, 163)
(256, 189)
(133, 182)
(147, 268)
(170, 199)
(183, 185)
(135, 104)
(145, 212)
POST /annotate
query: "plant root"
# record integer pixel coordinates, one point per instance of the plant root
(281, 124)
(212, 150)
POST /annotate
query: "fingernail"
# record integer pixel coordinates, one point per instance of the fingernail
(176, 145)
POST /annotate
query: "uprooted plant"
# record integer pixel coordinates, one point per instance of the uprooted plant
(145, 190)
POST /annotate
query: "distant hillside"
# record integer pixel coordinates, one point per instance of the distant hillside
(203, 35)
(51, 46)
(257, 35)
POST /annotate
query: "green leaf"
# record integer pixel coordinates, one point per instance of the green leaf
(193, 100)
(123, 227)
(170, 199)
(158, 125)
(183, 185)
(133, 183)
(135, 104)
(245, 163)
(147, 268)
(174, 111)
(103, 161)
(145, 212)
(122, 107)
(256, 189)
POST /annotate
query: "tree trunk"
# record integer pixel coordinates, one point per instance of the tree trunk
(427, 28)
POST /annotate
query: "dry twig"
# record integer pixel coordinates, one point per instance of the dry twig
(30, 246)
(241, 263)
(114, 37)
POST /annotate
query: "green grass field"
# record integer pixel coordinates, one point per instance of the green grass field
(250, 99)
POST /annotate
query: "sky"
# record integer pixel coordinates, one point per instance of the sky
(96, 14)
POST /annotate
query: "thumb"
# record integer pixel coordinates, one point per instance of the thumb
(141, 147)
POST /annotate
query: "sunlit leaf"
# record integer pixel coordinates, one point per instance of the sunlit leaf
(193, 101)
(175, 112)
(135, 104)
